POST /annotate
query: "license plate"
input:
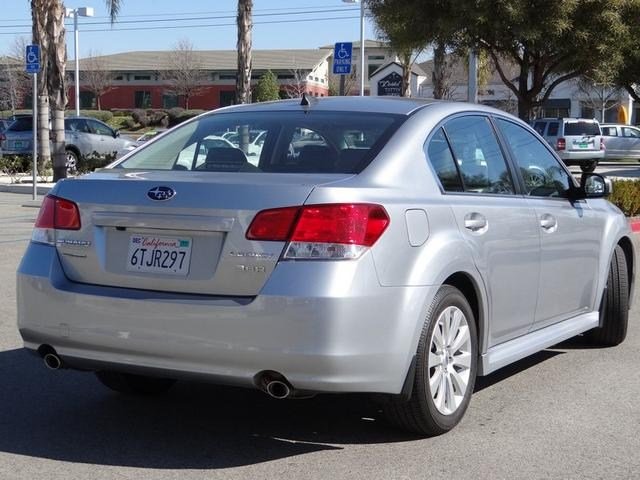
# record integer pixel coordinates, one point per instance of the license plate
(583, 145)
(165, 255)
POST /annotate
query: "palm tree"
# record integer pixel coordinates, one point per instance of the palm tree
(40, 15)
(243, 79)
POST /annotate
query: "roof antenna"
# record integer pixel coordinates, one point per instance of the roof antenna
(305, 101)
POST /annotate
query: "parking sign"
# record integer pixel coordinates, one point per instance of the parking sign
(342, 58)
(32, 59)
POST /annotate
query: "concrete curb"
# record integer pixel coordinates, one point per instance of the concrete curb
(25, 188)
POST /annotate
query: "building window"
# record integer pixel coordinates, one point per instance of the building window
(118, 77)
(376, 57)
(227, 98)
(286, 76)
(87, 99)
(142, 77)
(142, 99)
(169, 100)
(227, 76)
(372, 68)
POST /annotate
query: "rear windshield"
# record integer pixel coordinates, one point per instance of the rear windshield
(21, 124)
(279, 142)
(581, 128)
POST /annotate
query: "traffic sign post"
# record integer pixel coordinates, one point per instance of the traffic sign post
(32, 65)
(342, 58)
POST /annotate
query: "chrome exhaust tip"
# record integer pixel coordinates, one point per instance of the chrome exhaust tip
(278, 389)
(52, 361)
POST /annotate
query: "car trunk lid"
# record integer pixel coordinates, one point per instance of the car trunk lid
(199, 231)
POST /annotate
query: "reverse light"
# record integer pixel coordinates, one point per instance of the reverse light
(55, 214)
(561, 144)
(330, 231)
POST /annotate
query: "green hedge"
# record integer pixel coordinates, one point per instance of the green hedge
(102, 115)
(626, 196)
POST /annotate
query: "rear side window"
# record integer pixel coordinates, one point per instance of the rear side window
(553, 129)
(442, 161)
(609, 131)
(478, 155)
(581, 128)
(630, 132)
(273, 142)
(539, 127)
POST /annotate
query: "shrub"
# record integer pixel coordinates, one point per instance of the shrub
(94, 161)
(184, 115)
(13, 165)
(102, 115)
(128, 122)
(626, 196)
(140, 116)
(174, 113)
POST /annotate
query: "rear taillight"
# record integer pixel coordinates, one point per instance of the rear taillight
(55, 214)
(3, 137)
(602, 147)
(331, 231)
(561, 144)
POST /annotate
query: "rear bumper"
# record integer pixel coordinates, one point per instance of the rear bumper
(326, 326)
(578, 157)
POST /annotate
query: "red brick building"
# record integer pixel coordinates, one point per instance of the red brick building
(141, 79)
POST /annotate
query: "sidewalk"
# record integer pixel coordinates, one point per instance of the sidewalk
(25, 186)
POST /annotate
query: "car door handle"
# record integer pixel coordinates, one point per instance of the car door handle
(476, 222)
(548, 222)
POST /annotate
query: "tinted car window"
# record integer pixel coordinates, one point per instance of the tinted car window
(609, 131)
(539, 127)
(478, 155)
(581, 128)
(327, 145)
(22, 124)
(99, 128)
(542, 174)
(630, 132)
(442, 161)
(553, 129)
(76, 125)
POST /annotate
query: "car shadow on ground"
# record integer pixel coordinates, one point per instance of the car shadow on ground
(68, 416)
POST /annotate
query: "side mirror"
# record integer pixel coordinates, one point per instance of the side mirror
(592, 185)
(116, 133)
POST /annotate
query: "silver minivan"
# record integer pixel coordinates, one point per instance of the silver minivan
(621, 141)
(577, 141)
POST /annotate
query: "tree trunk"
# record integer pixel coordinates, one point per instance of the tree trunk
(39, 14)
(186, 102)
(44, 149)
(243, 78)
(406, 75)
(57, 89)
(439, 69)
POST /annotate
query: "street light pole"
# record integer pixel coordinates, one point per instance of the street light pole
(362, 62)
(362, 48)
(75, 13)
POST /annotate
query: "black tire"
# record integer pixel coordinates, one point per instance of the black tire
(134, 384)
(589, 167)
(420, 414)
(71, 161)
(614, 307)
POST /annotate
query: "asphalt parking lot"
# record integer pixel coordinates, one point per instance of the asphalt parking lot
(568, 412)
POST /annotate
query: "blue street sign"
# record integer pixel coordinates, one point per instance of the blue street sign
(32, 59)
(342, 58)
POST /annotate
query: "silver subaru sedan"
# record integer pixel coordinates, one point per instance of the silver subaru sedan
(389, 246)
